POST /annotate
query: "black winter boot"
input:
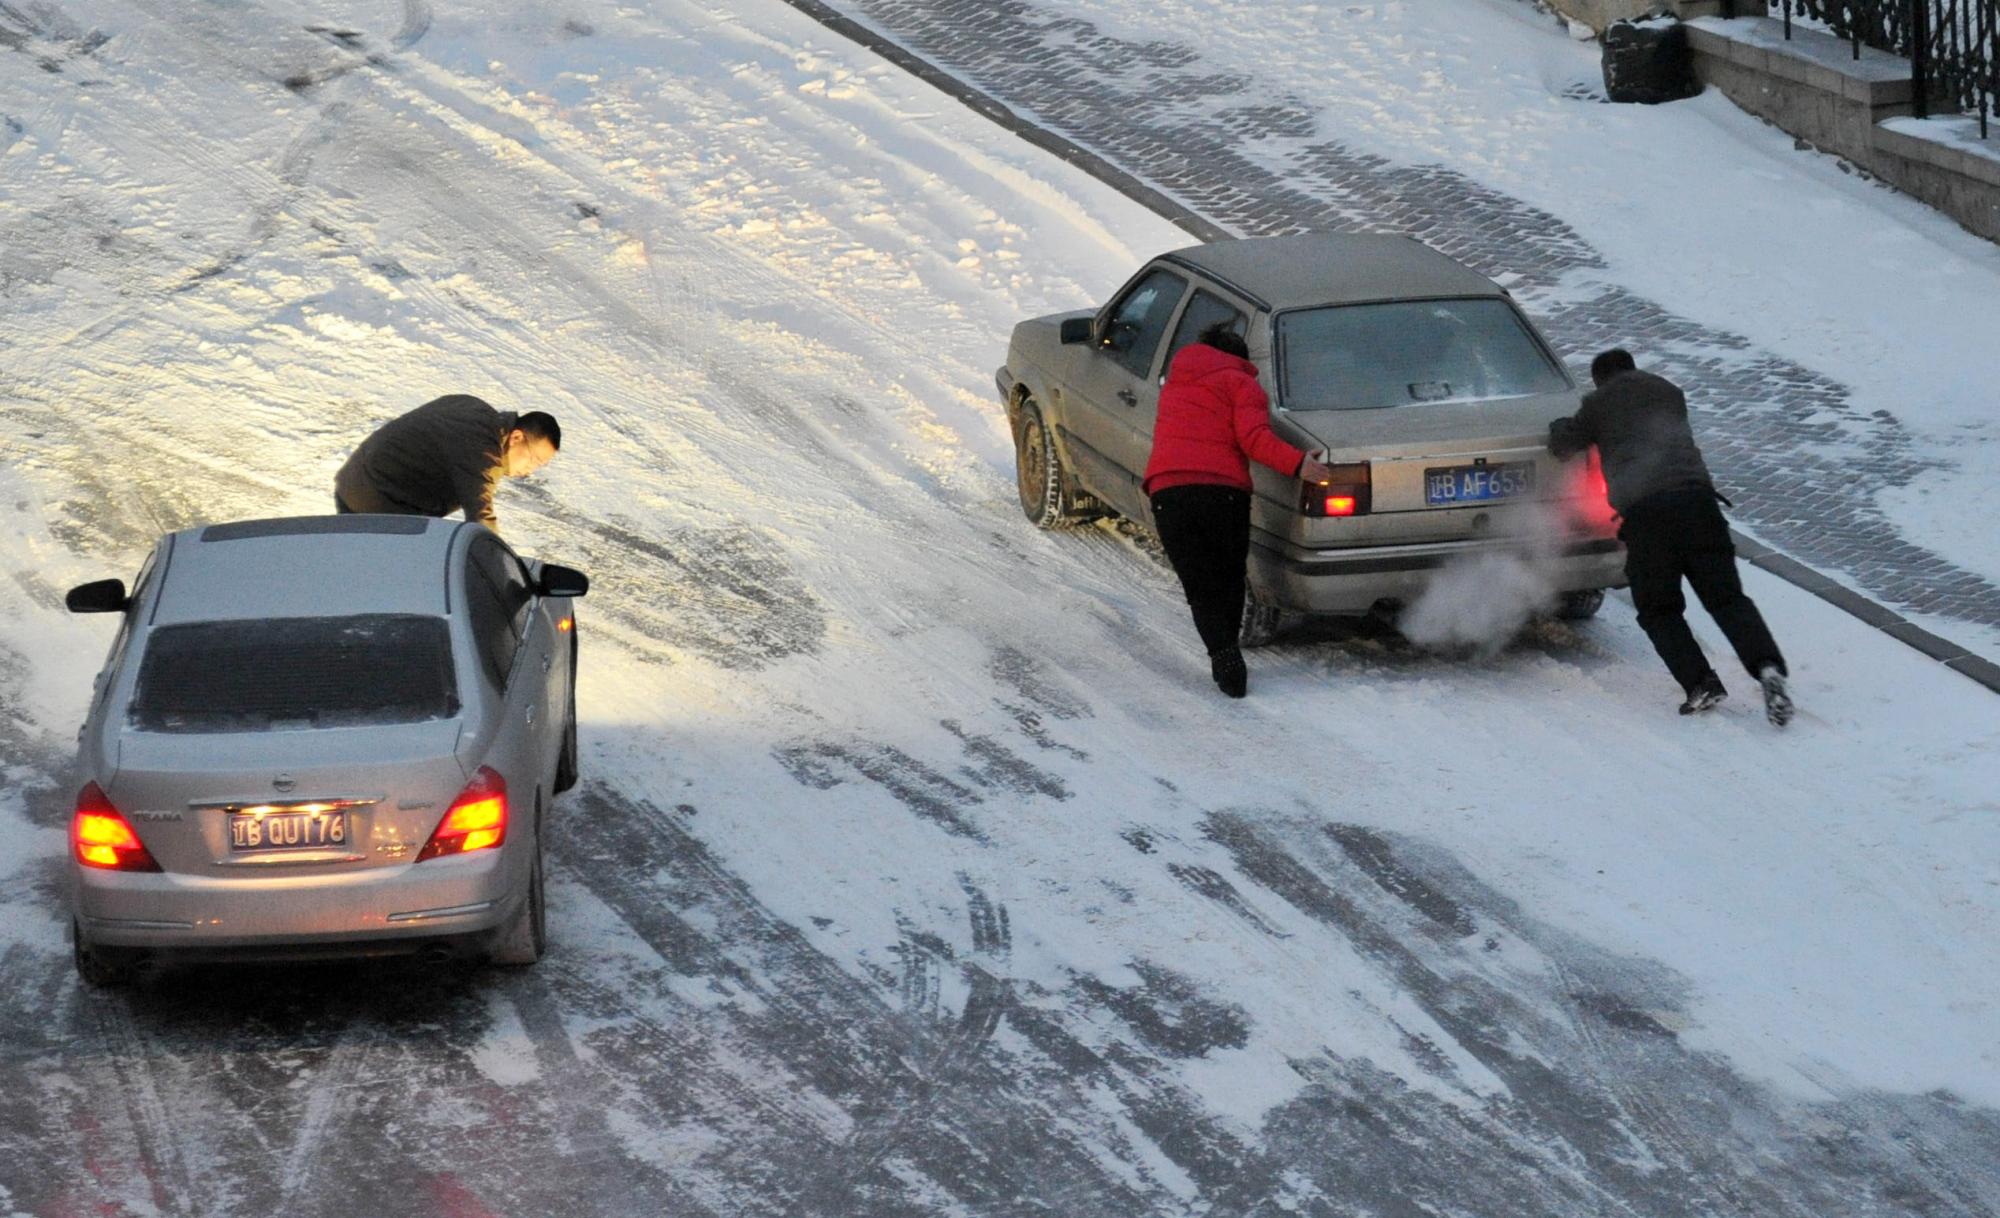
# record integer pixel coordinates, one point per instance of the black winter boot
(1232, 677)
(1777, 699)
(1705, 696)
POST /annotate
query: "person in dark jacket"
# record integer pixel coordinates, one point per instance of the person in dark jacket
(446, 455)
(1672, 529)
(1214, 418)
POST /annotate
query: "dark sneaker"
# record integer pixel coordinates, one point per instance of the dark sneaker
(1777, 699)
(1705, 696)
(1231, 676)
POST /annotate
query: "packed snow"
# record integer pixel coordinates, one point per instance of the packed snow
(763, 279)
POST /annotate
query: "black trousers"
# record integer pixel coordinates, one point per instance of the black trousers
(1205, 531)
(1680, 534)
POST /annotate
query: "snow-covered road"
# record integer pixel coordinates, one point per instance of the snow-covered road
(918, 868)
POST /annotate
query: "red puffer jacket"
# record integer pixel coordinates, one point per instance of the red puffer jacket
(1213, 414)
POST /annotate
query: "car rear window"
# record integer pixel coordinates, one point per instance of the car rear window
(1405, 353)
(273, 673)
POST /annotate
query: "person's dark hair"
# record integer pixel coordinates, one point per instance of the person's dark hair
(541, 425)
(1610, 363)
(1225, 340)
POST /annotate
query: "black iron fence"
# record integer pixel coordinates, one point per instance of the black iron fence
(1953, 45)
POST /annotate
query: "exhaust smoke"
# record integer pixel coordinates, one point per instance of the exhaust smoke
(1482, 598)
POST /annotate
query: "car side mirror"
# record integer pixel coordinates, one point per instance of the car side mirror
(1075, 330)
(98, 596)
(562, 581)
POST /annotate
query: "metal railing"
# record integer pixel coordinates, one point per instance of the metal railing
(1953, 45)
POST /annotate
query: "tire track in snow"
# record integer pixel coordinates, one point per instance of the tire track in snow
(166, 1145)
(873, 1142)
(416, 23)
(316, 1092)
(582, 1095)
(326, 1108)
(1603, 1107)
(942, 1105)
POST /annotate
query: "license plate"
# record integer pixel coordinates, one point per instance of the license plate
(1478, 483)
(250, 832)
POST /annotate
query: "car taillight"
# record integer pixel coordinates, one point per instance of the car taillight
(477, 819)
(1590, 496)
(103, 838)
(1348, 493)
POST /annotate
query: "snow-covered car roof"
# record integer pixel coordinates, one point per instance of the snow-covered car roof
(306, 566)
(1333, 268)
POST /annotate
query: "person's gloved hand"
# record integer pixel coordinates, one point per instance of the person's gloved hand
(1314, 472)
(1564, 442)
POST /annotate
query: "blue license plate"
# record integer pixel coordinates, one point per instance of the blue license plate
(1478, 483)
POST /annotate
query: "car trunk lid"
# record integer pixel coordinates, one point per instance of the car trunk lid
(1449, 471)
(350, 798)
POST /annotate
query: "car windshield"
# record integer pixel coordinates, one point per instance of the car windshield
(1404, 353)
(274, 673)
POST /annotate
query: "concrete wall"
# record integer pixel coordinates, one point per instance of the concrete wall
(1963, 183)
(1597, 14)
(1813, 87)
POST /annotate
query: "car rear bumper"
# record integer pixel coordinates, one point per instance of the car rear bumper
(371, 912)
(1355, 580)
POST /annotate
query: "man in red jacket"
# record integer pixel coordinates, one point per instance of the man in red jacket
(1214, 418)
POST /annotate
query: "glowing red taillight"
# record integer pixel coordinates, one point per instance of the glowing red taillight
(477, 819)
(1348, 493)
(1590, 496)
(103, 838)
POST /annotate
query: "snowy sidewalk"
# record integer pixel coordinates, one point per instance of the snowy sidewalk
(1815, 465)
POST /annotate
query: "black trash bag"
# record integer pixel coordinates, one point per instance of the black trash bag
(1648, 61)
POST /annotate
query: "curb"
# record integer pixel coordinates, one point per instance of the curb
(1874, 613)
(1960, 660)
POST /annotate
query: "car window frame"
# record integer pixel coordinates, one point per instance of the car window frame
(1534, 332)
(1102, 323)
(1201, 287)
(517, 620)
(116, 660)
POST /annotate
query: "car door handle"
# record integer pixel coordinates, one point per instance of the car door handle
(1128, 397)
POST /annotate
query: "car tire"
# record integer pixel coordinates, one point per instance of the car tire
(524, 939)
(566, 767)
(1261, 620)
(102, 968)
(1047, 499)
(1580, 606)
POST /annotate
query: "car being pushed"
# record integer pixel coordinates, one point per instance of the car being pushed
(323, 736)
(1417, 379)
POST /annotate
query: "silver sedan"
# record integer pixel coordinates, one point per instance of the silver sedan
(327, 735)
